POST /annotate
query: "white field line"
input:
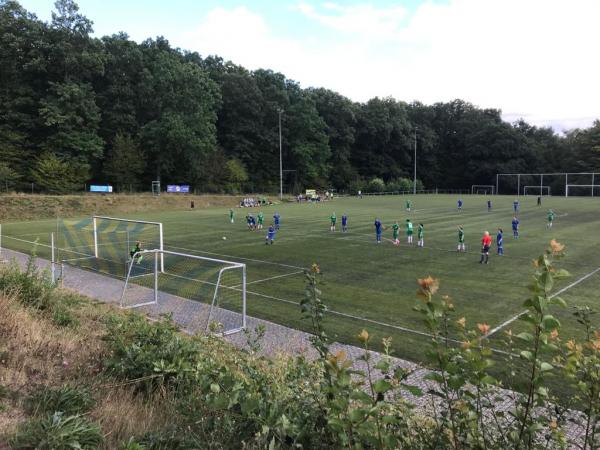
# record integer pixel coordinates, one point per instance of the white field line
(271, 278)
(515, 317)
(375, 322)
(192, 250)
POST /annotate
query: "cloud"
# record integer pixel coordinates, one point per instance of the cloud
(363, 19)
(533, 58)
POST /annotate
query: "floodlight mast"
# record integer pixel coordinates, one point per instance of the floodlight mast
(280, 111)
(415, 166)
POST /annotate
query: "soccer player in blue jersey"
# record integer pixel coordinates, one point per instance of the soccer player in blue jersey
(344, 223)
(459, 204)
(516, 206)
(276, 219)
(489, 203)
(378, 228)
(500, 242)
(515, 227)
(270, 235)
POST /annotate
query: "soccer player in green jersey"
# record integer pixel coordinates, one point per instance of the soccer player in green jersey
(261, 220)
(420, 236)
(408, 205)
(550, 218)
(461, 239)
(396, 233)
(231, 215)
(409, 231)
(134, 253)
(333, 222)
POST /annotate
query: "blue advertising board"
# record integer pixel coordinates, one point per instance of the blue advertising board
(97, 188)
(179, 188)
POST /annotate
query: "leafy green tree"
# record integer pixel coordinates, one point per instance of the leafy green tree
(376, 185)
(586, 145)
(236, 175)
(125, 163)
(59, 176)
(71, 118)
(177, 110)
(339, 115)
(8, 176)
(383, 146)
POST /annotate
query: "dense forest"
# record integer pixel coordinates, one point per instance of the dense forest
(75, 109)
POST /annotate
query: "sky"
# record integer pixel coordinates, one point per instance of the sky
(533, 59)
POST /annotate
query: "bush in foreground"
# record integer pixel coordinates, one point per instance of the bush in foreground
(215, 396)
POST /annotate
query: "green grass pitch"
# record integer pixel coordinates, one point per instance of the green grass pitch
(372, 286)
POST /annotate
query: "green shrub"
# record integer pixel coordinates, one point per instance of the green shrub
(155, 353)
(57, 432)
(33, 287)
(66, 399)
(63, 316)
(376, 185)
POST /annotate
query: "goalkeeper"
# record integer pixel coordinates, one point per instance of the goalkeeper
(135, 252)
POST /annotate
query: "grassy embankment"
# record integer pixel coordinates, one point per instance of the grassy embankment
(29, 207)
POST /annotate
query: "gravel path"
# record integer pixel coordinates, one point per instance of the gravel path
(192, 317)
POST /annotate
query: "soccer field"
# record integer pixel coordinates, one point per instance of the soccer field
(367, 285)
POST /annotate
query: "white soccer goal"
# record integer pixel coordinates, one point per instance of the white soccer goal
(483, 189)
(115, 235)
(202, 293)
(536, 190)
(156, 188)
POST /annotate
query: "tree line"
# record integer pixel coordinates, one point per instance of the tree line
(76, 109)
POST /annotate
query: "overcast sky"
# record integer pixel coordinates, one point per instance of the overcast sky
(535, 59)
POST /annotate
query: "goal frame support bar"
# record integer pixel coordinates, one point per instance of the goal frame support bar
(229, 265)
(568, 186)
(118, 219)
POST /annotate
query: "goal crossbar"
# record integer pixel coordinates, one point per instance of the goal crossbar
(218, 286)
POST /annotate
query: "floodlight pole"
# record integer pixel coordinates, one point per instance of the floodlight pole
(280, 111)
(415, 166)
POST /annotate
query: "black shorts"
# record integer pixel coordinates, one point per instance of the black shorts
(485, 249)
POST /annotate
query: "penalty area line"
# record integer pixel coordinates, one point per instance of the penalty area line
(566, 288)
(191, 250)
(270, 278)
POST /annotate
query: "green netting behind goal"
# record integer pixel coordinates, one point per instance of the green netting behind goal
(105, 244)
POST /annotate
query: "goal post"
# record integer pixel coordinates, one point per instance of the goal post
(150, 234)
(204, 294)
(536, 190)
(486, 188)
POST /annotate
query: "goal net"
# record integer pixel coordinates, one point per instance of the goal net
(482, 189)
(104, 244)
(203, 294)
(536, 190)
